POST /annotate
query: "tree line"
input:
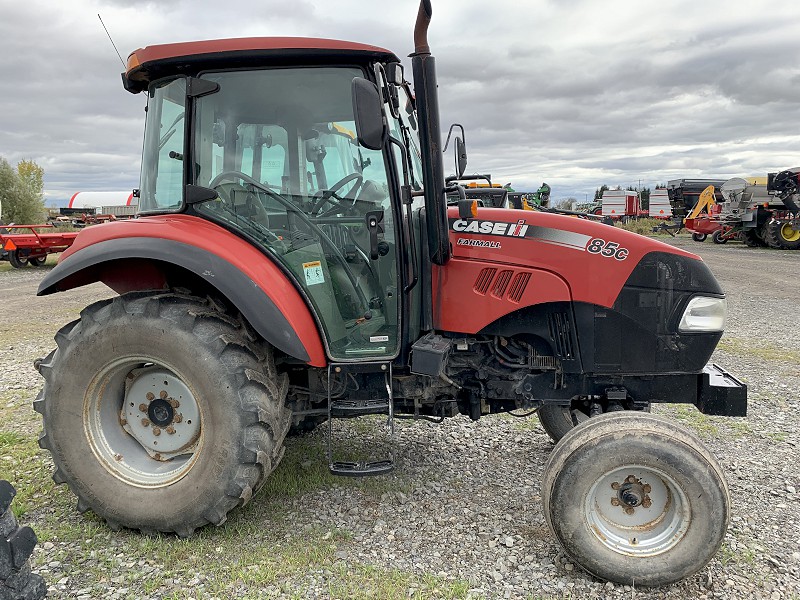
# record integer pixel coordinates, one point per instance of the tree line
(21, 193)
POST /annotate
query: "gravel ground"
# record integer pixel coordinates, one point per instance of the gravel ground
(464, 501)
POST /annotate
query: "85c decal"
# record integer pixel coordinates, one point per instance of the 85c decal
(607, 249)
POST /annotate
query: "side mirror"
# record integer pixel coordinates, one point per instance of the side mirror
(367, 107)
(394, 73)
(460, 149)
(461, 156)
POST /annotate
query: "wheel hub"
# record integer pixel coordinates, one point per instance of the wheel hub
(161, 413)
(637, 510)
(631, 494)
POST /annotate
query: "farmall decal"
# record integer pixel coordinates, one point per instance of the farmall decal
(546, 235)
(478, 243)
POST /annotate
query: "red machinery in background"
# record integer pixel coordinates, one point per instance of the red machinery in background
(20, 247)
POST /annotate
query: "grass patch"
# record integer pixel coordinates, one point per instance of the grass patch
(20, 464)
(776, 436)
(642, 226)
(530, 423)
(760, 349)
(304, 469)
(690, 416)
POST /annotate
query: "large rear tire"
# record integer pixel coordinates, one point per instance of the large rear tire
(161, 411)
(781, 235)
(751, 239)
(17, 582)
(636, 500)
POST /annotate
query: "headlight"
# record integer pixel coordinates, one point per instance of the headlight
(704, 314)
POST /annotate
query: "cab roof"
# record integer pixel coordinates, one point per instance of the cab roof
(187, 58)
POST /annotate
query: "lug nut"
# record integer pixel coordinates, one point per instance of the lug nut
(146, 422)
(123, 421)
(156, 431)
(615, 486)
(177, 418)
(170, 429)
(163, 394)
(149, 395)
(647, 503)
(143, 407)
(646, 488)
(629, 510)
(173, 403)
(615, 502)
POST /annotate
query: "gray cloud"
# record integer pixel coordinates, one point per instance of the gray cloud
(575, 93)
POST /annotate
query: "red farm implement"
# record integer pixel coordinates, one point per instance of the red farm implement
(23, 244)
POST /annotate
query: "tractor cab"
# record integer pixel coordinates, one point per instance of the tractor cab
(271, 153)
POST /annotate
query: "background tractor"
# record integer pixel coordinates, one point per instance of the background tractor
(295, 261)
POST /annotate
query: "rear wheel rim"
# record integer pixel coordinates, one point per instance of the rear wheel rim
(789, 233)
(128, 448)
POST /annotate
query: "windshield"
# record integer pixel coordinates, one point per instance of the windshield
(279, 148)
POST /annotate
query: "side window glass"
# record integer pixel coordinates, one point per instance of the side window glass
(162, 179)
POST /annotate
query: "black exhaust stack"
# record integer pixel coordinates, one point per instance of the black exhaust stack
(424, 70)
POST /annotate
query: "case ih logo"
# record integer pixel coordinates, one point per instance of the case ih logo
(545, 235)
(517, 229)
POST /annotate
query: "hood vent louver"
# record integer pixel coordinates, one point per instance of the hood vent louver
(518, 286)
(484, 280)
(501, 283)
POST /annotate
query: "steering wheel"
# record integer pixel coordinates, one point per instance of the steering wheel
(328, 195)
(323, 237)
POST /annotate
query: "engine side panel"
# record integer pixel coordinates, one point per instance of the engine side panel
(473, 293)
(594, 259)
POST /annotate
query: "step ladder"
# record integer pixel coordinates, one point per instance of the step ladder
(353, 407)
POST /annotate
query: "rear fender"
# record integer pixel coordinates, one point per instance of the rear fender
(246, 277)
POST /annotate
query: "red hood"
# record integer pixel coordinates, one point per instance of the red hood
(593, 259)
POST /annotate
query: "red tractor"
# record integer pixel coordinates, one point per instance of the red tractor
(295, 261)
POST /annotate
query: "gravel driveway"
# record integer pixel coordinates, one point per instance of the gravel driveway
(463, 504)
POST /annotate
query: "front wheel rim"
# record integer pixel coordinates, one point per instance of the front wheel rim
(637, 510)
(114, 426)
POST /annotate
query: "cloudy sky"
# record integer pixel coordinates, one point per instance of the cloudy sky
(576, 93)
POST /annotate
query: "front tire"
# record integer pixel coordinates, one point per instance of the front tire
(636, 500)
(161, 412)
(699, 237)
(717, 238)
(558, 421)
